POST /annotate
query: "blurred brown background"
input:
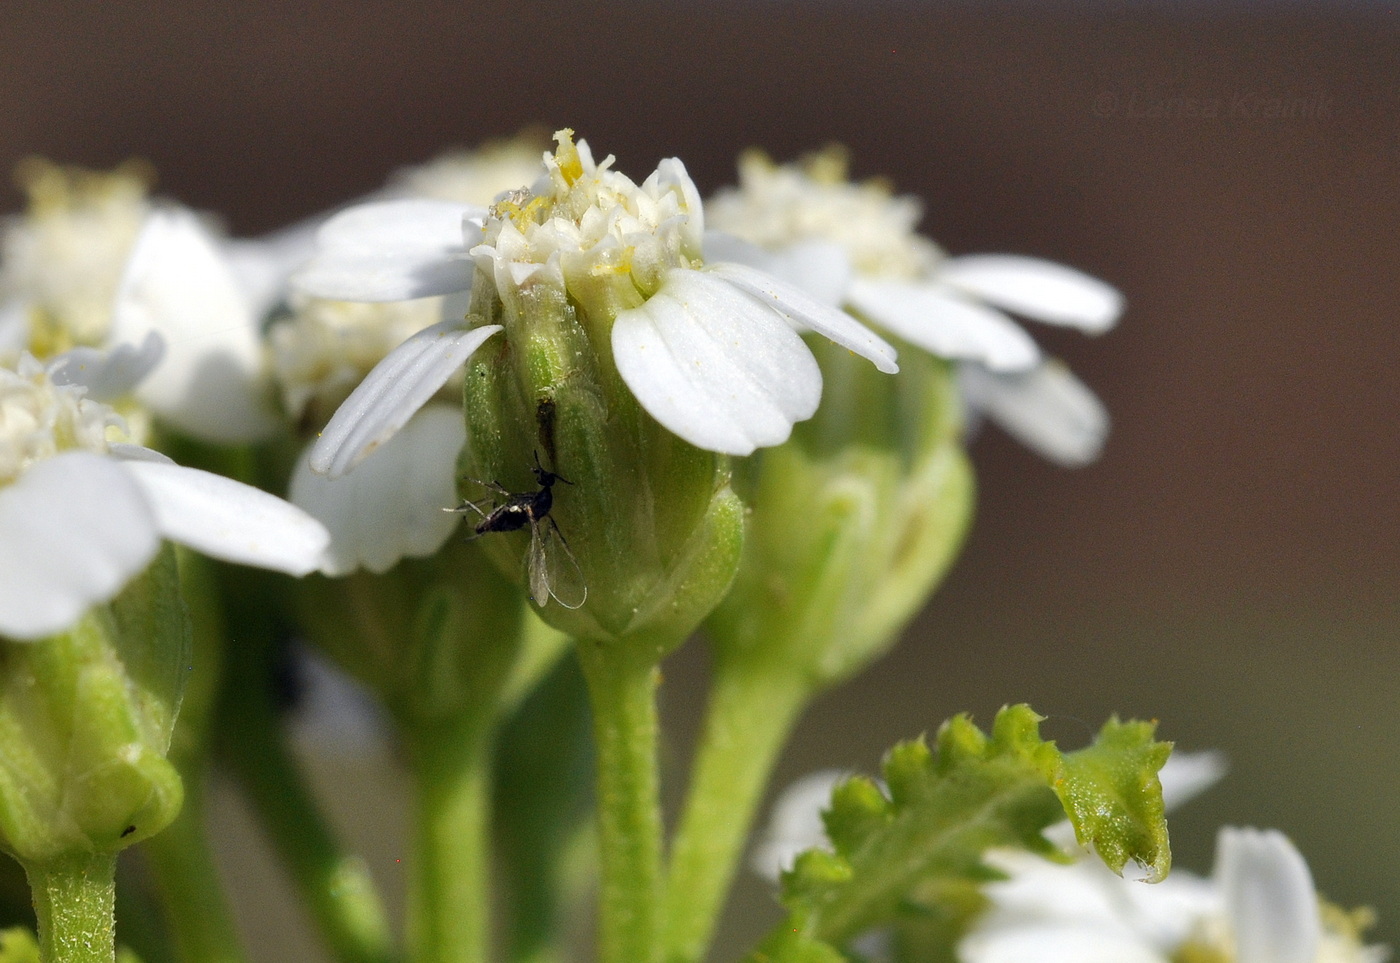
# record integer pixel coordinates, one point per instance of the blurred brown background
(1230, 567)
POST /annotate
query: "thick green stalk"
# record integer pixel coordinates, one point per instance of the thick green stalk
(622, 683)
(183, 867)
(750, 714)
(448, 905)
(74, 900)
(544, 794)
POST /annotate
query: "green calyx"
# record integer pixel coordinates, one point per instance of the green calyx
(85, 724)
(644, 533)
(854, 521)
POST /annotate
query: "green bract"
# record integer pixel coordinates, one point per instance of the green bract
(854, 521)
(649, 519)
(85, 723)
(911, 856)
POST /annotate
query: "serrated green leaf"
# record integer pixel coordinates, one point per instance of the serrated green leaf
(1114, 798)
(858, 809)
(913, 856)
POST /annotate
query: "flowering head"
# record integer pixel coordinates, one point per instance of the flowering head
(62, 261)
(625, 360)
(600, 239)
(777, 205)
(648, 517)
(854, 244)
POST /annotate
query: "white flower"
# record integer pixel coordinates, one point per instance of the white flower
(710, 351)
(1259, 906)
(854, 245)
(81, 514)
(94, 267)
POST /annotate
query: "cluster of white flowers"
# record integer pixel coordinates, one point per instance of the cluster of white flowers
(708, 349)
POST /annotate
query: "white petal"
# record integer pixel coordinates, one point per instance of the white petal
(391, 506)
(1053, 942)
(1188, 774)
(14, 326)
(723, 246)
(1038, 289)
(125, 452)
(944, 323)
(1269, 896)
(805, 311)
(108, 375)
(229, 520)
(393, 251)
(1047, 409)
(396, 388)
(177, 283)
(263, 265)
(820, 268)
(795, 825)
(74, 529)
(714, 367)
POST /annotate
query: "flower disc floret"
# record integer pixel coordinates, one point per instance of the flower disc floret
(593, 228)
(39, 419)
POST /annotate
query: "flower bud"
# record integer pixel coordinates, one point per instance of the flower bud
(86, 717)
(643, 533)
(854, 521)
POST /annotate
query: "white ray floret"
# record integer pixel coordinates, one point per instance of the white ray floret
(393, 251)
(390, 506)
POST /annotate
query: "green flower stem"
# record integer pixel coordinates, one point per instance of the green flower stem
(336, 885)
(750, 715)
(74, 901)
(180, 859)
(448, 905)
(622, 680)
(543, 790)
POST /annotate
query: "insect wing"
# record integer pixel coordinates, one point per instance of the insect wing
(553, 570)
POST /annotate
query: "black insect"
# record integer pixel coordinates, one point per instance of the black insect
(553, 571)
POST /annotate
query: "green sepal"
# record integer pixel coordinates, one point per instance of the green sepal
(1114, 798)
(646, 528)
(912, 857)
(855, 520)
(85, 724)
